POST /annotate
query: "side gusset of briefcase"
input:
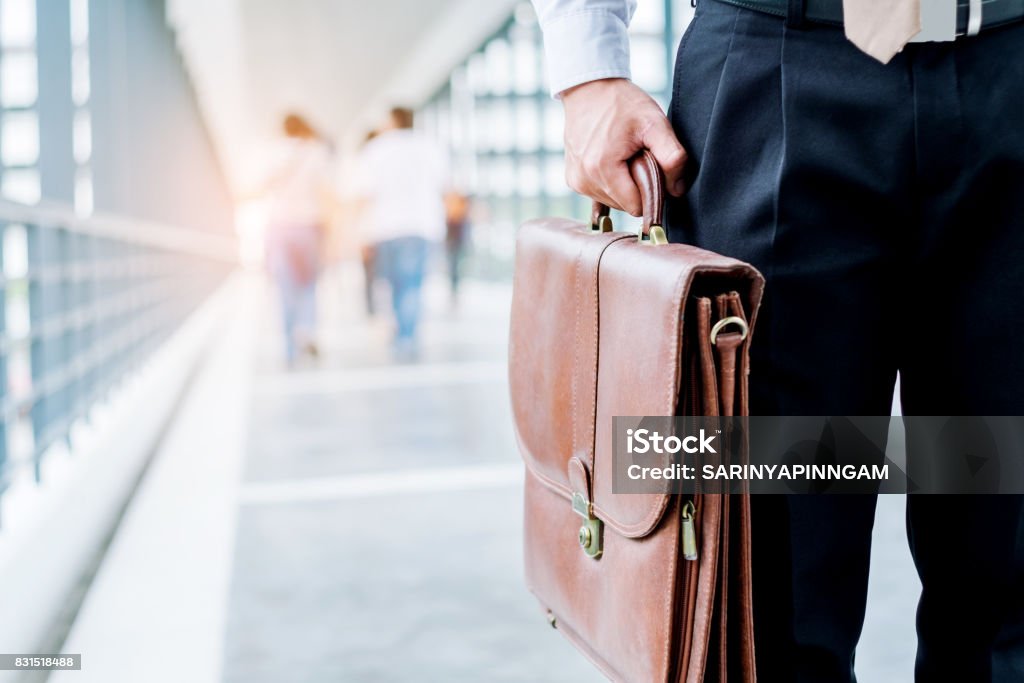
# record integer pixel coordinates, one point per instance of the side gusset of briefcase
(651, 587)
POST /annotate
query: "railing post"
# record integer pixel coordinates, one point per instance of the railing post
(65, 324)
(140, 310)
(44, 305)
(109, 285)
(87, 335)
(4, 350)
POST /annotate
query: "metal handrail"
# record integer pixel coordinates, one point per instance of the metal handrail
(132, 230)
(100, 293)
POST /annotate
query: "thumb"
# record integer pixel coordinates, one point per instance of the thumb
(668, 151)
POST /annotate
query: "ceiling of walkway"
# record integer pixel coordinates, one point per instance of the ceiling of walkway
(340, 62)
(328, 57)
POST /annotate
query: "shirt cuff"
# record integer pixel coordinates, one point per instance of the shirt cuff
(583, 46)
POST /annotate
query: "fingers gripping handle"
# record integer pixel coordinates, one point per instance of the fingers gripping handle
(648, 178)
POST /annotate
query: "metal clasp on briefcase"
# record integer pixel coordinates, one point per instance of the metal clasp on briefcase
(654, 236)
(590, 532)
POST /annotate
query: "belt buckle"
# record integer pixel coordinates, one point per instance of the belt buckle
(938, 20)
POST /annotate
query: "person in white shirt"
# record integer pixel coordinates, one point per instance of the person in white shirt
(401, 178)
(876, 184)
(296, 189)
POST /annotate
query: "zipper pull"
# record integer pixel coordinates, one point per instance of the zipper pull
(689, 532)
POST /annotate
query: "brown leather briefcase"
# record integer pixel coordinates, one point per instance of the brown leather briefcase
(609, 323)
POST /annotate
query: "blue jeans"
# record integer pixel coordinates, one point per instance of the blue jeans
(402, 262)
(298, 311)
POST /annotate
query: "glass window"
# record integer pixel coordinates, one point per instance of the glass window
(648, 57)
(80, 84)
(15, 259)
(459, 104)
(18, 79)
(80, 92)
(527, 66)
(17, 23)
(458, 81)
(501, 133)
(460, 124)
(503, 241)
(469, 129)
(21, 185)
(472, 175)
(482, 126)
(461, 172)
(554, 175)
(79, 22)
(527, 124)
(476, 73)
(19, 138)
(483, 177)
(563, 206)
(457, 130)
(502, 177)
(443, 128)
(545, 82)
(15, 267)
(682, 14)
(529, 177)
(425, 119)
(554, 123)
(499, 67)
(83, 192)
(82, 136)
(649, 17)
(525, 16)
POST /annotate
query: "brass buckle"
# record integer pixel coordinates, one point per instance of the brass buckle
(656, 236)
(604, 224)
(590, 533)
(731, 320)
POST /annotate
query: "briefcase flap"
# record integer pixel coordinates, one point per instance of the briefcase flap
(596, 331)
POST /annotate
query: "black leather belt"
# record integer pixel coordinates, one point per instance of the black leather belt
(993, 12)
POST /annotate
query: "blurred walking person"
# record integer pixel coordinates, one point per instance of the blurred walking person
(368, 257)
(457, 207)
(401, 180)
(298, 189)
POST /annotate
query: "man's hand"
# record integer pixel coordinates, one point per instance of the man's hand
(606, 123)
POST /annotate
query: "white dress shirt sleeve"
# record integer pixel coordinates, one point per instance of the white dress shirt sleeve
(584, 40)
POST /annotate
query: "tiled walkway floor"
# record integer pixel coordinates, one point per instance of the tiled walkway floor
(379, 529)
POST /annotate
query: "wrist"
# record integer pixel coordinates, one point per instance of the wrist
(583, 90)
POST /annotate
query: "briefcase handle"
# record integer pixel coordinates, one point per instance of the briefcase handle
(648, 177)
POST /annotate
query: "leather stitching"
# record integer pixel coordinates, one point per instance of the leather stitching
(644, 526)
(667, 618)
(576, 348)
(676, 320)
(592, 441)
(602, 664)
